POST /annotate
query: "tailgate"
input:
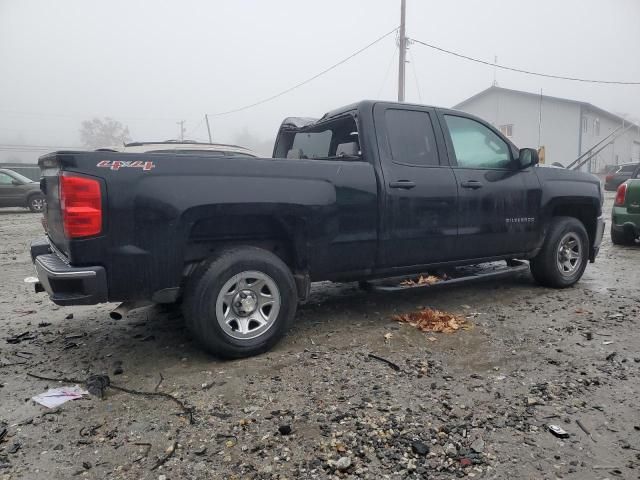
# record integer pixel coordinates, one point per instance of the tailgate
(49, 184)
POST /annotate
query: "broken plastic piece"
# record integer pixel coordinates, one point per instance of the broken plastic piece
(558, 432)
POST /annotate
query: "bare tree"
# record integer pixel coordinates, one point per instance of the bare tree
(103, 132)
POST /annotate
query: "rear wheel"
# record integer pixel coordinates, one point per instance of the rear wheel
(564, 254)
(240, 303)
(621, 237)
(36, 203)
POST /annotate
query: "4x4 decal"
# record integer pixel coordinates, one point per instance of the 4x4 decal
(118, 164)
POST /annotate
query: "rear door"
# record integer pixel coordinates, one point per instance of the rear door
(499, 202)
(419, 218)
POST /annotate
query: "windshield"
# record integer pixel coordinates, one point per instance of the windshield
(19, 177)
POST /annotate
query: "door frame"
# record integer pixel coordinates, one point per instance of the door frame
(386, 160)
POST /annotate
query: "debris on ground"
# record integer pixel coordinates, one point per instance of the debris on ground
(54, 397)
(384, 360)
(422, 280)
(558, 431)
(284, 429)
(14, 448)
(585, 430)
(96, 384)
(431, 320)
(186, 411)
(117, 367)
(20, 337)
(168, 454)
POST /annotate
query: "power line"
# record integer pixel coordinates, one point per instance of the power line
(326, 70)
(415, 75)
(386, 75)
(519, 70)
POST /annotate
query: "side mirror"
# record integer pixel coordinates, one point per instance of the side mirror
(528, 157)
(15, 183)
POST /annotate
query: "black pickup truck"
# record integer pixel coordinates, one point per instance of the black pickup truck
(368, 191)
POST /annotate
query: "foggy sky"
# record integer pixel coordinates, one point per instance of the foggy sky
(152, 63)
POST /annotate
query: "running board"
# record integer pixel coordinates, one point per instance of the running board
(452, 276)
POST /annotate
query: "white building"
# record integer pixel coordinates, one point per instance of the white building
(565, 128)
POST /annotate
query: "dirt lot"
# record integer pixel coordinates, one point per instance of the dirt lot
(474, 403)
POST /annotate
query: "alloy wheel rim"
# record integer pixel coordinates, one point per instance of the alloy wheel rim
(569, 255)
(248, 305)
(37, 204)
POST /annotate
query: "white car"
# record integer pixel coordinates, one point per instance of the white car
(184, 147)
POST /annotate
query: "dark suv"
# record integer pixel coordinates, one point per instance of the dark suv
(19, 191)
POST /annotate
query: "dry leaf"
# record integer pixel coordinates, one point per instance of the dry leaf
(430, 320)
(421, 280)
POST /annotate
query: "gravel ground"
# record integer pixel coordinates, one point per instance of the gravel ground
(475, 403)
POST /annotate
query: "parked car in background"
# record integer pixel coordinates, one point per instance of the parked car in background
(625, 217)
(29, 170)
(185, 147)
(618, 176)
(16, 190)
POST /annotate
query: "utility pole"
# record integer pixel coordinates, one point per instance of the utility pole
(403, 51)
(206, 117)
(182, 129)
(495, 78)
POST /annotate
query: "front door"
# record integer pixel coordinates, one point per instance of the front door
(10, 194)
(498, 202)
(419, 219)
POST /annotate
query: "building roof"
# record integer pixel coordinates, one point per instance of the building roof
(590, 106)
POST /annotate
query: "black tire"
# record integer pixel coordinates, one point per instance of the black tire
(544, 266)
(621, 238)
(36, 203)
(203, 291)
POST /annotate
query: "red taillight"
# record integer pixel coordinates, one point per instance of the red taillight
(621, 194)
(608, 178)
(81, 205)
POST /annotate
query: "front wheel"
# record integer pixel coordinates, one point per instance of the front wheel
(36, 203)
(240, 303)
(564, 254)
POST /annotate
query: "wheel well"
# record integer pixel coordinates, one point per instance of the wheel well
(587, 214)
(209, 235)
(30, 195)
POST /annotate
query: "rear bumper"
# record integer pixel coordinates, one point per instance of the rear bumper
(67, 285)
(623, 221)
(595, 248)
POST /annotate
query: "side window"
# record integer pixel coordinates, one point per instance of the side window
(475, 145)
(5, 179)
(411, 137)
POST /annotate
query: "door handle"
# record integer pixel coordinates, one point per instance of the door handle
(473, 184)
(404, 184)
